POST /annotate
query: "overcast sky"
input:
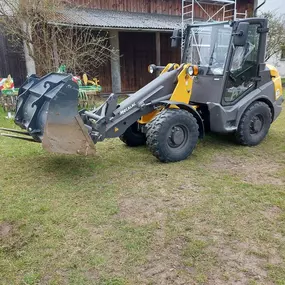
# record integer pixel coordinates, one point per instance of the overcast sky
(275, 5)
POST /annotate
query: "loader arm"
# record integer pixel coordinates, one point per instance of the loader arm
(111, 119)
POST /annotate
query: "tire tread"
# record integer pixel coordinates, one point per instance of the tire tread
(154, 128)
(240, 134)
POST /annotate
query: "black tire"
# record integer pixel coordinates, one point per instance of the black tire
(133, 137)
(172, 135)
(254, 124)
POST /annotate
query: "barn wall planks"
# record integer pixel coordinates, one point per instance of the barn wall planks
(170, 7)
(137, 50)
(104, 75)
(168, 54)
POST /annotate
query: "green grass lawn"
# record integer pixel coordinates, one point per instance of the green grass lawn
(124, 218)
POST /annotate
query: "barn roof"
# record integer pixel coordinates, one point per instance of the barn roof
(117, 19)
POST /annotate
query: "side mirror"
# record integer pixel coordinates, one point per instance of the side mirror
(176, 39)
(241, 34)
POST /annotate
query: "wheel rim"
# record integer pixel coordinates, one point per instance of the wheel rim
(256, 124)
(178, 136)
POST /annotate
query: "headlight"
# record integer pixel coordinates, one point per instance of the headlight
(193, 70)
(190, 70)
(151, 68)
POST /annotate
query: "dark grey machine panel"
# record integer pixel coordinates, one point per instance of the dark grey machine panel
(207, 88)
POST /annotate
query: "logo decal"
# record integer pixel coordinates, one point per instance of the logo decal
(124, 111)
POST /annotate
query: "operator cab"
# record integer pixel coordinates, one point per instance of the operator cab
(229, 58)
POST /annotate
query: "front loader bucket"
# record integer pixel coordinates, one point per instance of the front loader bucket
(47, 109)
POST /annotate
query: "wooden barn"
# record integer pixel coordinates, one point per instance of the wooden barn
(140, 30)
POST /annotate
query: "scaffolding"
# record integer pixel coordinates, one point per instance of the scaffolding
(221, 10)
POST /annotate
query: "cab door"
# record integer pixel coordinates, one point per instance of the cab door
(244, 67)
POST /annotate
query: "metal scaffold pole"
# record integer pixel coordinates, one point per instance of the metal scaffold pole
(225, 10)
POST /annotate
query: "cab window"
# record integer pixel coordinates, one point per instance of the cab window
(244, 67)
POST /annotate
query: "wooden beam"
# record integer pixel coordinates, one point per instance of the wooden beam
(158, 48)
(255, 4)
(55, 53)
(115, 62)
(28, 47)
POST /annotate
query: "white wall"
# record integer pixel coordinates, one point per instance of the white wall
(273, 5)
(278, 63)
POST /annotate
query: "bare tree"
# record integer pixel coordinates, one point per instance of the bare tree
(50, 43)
(276, 34)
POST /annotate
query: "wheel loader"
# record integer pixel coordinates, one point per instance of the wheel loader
(222, 86)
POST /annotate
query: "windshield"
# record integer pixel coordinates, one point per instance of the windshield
(208, 46)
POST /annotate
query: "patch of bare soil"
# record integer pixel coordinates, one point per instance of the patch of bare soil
(256, 171)
(164, 263)
(5, 229)
(144, 210)
(272, 213)
(235, 265)
(238, 265)
(139, 210)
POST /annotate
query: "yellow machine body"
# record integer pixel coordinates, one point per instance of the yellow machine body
(276, 78)
(182, 92)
